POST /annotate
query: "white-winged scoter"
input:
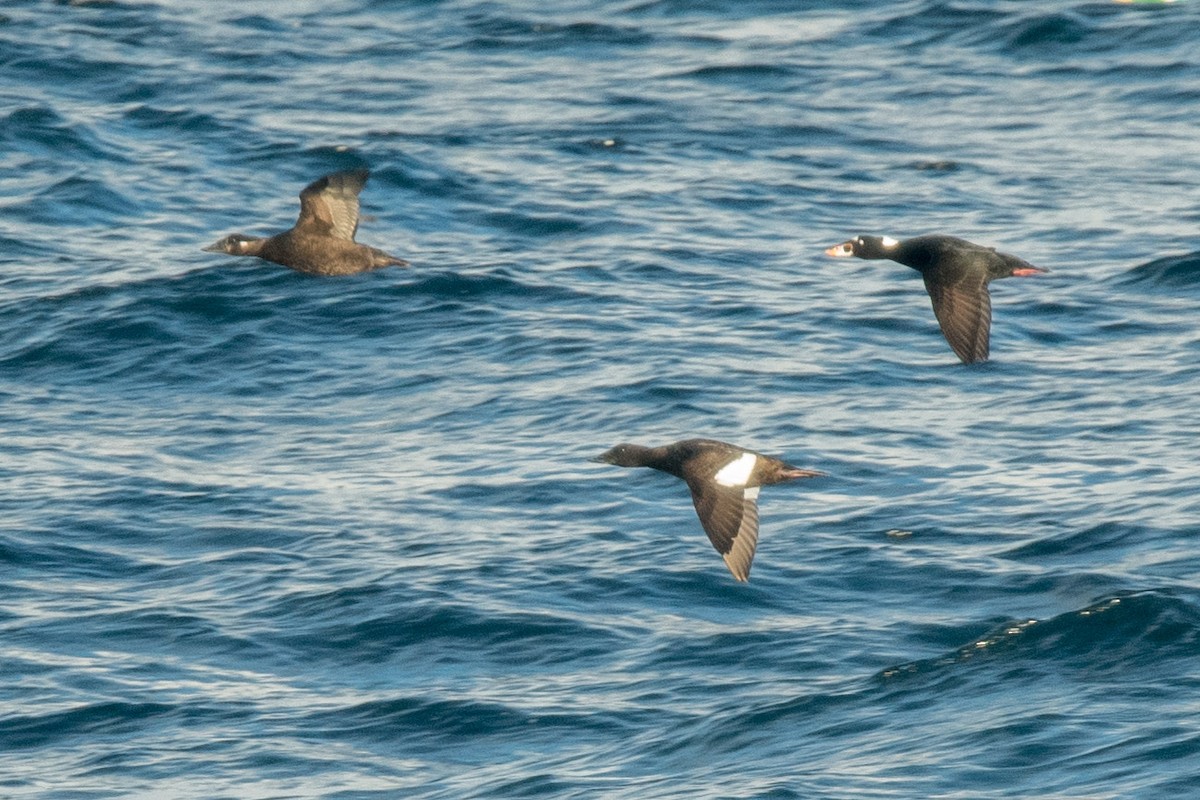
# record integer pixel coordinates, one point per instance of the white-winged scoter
(724, 480)
(956, 273)
(322, 240)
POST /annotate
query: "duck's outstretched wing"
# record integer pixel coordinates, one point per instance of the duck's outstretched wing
(729, 515)
(964, 311)
(329, 205)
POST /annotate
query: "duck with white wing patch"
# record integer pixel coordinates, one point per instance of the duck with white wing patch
(724, 480)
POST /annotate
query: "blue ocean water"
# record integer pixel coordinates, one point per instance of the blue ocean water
(265, 535)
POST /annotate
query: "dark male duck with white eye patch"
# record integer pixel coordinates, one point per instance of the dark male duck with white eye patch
(956, 273)
(322, 240)
(724, 480)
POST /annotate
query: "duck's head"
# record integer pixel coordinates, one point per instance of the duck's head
(235, 244)
(623, 455)
(865, 247)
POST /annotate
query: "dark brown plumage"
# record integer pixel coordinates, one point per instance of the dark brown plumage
(724, 480)
(956, 273)
(322, 240)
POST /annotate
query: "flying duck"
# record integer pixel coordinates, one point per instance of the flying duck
(956, 273)
(322, 240)
(724, 480)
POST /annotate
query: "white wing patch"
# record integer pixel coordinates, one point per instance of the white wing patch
(737, 472)
(751, 493)
(888, 241)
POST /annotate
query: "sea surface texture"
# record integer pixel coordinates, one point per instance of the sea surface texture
(265, 535)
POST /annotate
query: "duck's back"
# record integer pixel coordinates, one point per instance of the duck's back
(950, 260)
(324, 255)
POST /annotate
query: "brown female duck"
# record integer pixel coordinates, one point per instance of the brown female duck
(322, 240)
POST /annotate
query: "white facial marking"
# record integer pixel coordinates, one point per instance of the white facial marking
(737, 472)
(888, 241)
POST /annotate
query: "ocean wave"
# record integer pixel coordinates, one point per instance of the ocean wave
(1120, 636)
(58, 728)
(1169, 272)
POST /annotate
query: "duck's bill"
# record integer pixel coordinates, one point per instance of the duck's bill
(842, 250)
(799, 472)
